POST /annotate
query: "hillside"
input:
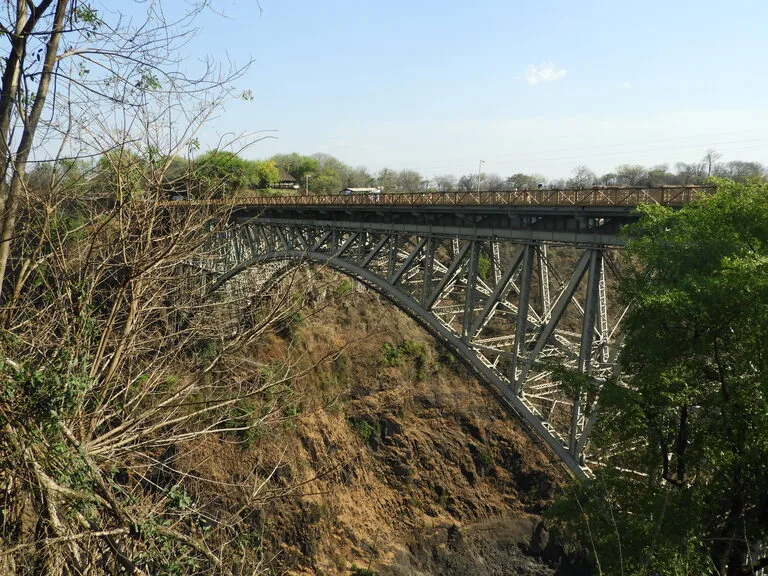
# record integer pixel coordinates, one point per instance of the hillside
(390, 456)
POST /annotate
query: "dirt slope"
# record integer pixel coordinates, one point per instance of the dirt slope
(390, 457)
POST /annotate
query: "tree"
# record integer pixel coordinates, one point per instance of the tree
(358, 178)
(113, 361)
(631, 175)
(467, 183)
(690, 173)
(494, 182)
(445, 182)
(740, 171)
(327, 181)
(224, 173)
(583, 177)
(296, 165)
(265, 173)
(386, 180)
(607, 179)
(521, 181)
(683, 437)
(660, 175)
(710, 160)
(109, 71)
(409, 181)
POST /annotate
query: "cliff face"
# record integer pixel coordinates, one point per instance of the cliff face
(389, 457)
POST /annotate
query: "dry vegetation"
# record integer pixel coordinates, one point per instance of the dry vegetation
(115, 364)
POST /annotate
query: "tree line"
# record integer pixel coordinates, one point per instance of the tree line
(325, 174)
(220, 173)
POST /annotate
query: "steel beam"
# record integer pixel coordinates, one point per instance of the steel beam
(471, 294)
(521, 325)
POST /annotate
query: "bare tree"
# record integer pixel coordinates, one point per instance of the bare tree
(521, 181)
(583, 177)
(103, 76)
(494, 182)
(445, 182)
(409, 181)
(710, 159)
(116, 361)
(690, 173)
(740, 171)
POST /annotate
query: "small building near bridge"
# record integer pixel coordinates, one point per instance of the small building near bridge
(286, 181)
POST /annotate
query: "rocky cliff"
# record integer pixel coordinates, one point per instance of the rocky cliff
(387, 457)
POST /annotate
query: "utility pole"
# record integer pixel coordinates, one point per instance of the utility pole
(306, 184)
(479, 168)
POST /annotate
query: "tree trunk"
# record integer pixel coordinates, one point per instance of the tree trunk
(18, 164)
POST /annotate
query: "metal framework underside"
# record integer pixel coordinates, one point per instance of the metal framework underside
(511, 309)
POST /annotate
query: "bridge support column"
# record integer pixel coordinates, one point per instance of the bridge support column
(521, 324)
(591, 308)
(429, 269)
(471, 295)
(546, 300)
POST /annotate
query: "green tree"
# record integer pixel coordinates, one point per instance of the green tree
(224, 173)
(327, 181)
(683, 439)
(297, 165)
(265, 173)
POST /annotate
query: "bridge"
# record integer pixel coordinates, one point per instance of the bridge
(514, 283)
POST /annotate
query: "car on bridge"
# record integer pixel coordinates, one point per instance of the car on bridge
(375, 193)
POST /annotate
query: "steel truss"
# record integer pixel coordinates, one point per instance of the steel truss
(512, 309)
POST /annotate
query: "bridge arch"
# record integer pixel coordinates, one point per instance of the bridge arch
(403, 301)
(443, 284)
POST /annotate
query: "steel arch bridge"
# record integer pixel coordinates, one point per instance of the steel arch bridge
(514, 283)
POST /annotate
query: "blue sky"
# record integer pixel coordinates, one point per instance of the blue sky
(535, 86)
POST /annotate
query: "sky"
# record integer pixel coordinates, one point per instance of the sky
(537, 87)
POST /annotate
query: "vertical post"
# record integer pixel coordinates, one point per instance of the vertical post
(471, 296)
(496, 262)
(546, 300)
(521, 325)
(392, 261)
(429, 269)
(587, 337)
(362, 242)
(603, 314)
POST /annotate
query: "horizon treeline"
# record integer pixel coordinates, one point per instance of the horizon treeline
(220, 173)
(328, 174)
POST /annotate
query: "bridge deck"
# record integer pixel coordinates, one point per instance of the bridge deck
(599, 196)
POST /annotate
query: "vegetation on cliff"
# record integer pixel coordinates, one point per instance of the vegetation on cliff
(681, 439)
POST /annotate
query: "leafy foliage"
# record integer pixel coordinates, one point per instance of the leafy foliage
(684, 439)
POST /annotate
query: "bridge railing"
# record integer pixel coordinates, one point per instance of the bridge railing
(598, 196)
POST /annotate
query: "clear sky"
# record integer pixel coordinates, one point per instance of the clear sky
(535, 86)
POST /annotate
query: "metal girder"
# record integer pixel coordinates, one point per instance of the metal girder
(503, 286)
(471, 293)
(448, 277)
(521, 324)
(503, 324)
(395, 278)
